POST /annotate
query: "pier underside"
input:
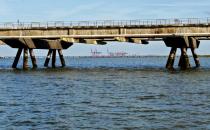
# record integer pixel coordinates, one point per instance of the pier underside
(184, 44)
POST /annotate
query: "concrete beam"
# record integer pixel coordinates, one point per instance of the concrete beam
(14, 43)
(142, 35)
(28, 42)
(51, 44)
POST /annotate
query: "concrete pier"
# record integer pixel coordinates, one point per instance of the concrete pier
(176, 33)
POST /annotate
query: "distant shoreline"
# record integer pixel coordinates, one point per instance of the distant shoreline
(8, 57)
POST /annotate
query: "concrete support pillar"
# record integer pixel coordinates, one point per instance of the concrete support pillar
(184, 62)
(54, 58)
(14, 65)
(48, 58)
(61, 58)
(195, 56)
(33, 58)
(180, 60)
(171, 58)
(25, 59)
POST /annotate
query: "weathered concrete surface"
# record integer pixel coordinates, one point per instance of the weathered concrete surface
(106, 30)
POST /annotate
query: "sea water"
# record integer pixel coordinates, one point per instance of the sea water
(105, 94)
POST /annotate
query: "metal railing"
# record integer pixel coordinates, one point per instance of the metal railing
(72, 24)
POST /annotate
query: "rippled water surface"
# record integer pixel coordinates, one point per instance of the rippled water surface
(105, 94)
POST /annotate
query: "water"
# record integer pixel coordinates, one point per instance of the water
(105, 94)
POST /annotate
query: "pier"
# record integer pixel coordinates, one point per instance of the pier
(183, 34)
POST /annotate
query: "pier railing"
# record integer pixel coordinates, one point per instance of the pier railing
(111, 23)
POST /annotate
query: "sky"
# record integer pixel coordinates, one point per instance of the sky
(76, 10)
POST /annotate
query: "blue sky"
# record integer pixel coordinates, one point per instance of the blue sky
(68, 10)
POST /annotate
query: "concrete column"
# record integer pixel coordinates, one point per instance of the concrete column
(185, 63)
(61, 58)
(33, 58)
(25, 59)
(54, 58)
(14, 65)
(171, 58)
(180, 60)
(195, 56)
(48, 58)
